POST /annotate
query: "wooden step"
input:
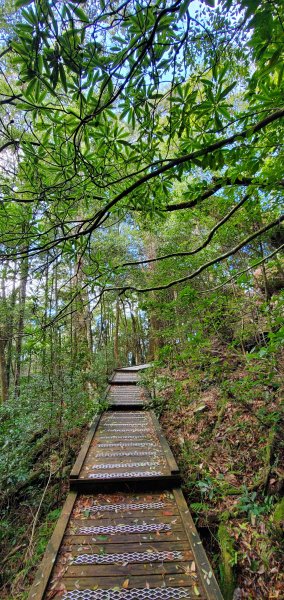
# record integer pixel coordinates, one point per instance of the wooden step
(96, 547)
(126, 396)
(124, 437)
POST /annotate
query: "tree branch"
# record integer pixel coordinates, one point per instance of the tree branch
(199, 248)
(209, 263)
(256, 264)
(181, 160)
(241, 181)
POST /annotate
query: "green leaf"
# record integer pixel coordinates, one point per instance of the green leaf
(80, 14)
(31, 87)
(20, 3)
(48, 86)
(227, 90)
(62, 76)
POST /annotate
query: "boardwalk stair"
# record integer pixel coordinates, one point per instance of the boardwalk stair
(125, 531)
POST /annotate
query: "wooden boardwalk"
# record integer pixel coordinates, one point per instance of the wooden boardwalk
(125, 531)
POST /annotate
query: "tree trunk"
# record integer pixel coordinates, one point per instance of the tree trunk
(116, 332)
(11, 325)
(82, 326)
(155, 341)
(24, 270)
(3, 369)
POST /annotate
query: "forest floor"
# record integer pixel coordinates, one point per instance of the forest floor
(226, 437)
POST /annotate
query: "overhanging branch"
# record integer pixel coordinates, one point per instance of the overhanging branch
(196, 250)
(234, 277)
(220, 183)
(187, 158)
(203, 267)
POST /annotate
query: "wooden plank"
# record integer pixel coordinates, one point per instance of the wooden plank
(43, 574)
(133, 538)
(158, 482)
(209, 582)
(126, 519)
(169, 455)
(173, 580)
(122, 407)
(134, 368)
(131, 569)
(139, 514)
(122, 382)
(84, 449)
(153, 546)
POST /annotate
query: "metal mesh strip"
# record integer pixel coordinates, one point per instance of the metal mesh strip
(123, 437)
(112, 445)
(126, 418)
(133, 453)
(111, 423)
(126, 474)
(119, 465)
(134, 506)
(143, 528)
(131, 429)
(161, 593)
(126, 557)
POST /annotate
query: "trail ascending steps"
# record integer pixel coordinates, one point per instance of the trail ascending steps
(125, 532)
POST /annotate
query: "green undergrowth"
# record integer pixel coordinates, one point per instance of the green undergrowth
(40, 437)
(23, 563)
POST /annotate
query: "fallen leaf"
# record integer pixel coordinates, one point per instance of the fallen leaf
(125, 584)
(261, 570)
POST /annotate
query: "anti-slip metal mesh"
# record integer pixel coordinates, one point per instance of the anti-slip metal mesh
(161, 593)
(130, 429)
(126, 419)
(126, 557)
(130, 445)
(111, 529)
(133, 506)
(124, 424)
(122, 475)
(123, 437)
(133, 453)
(119, 465)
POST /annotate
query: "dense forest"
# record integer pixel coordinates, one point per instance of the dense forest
(141, 166)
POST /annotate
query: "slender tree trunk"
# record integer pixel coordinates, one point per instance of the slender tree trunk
(11, 324)
(116, 333)
(155, 324)
(82, 327)
(45, 314)
(3, 337)
(3, 369)
(24, 270)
